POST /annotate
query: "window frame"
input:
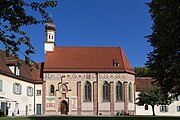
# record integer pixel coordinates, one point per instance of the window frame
(164, 108)
(130, 92)
(51, 90)
(38, 92)
(87, 92)
(119, 91)
(178, 108)
(29, 91)
(106, 92)
(17, 88)
(17, 71)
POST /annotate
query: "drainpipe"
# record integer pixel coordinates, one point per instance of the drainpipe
(97, 91)
(34, 98)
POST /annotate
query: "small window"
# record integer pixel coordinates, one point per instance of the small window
(178, 108)
(52, 37)
(146, 107)
(163, 108)
(29, 91)
(30, 107)
(38, 92)
(177, 98)
(51, 90)
(17, 88)
(115, 63)
(17, 71)
(63, 88)
(49, 37)
(1, 85)
(12, 68)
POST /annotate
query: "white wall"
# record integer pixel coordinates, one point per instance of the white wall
(172, 109)
(23, 99)
(38, 98)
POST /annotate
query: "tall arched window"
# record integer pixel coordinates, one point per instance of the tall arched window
(119, 95)
(106, 91)
(51, 90)
(130, 93)
(87, 91)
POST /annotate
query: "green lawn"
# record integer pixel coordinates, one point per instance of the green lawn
(88, 117)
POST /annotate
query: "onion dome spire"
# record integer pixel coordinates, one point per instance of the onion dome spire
(50, 24)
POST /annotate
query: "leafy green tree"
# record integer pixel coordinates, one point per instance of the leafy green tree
(143, 72)
(13, 16)
(164, 60)
(153, 96)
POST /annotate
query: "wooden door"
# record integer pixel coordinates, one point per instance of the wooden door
(64, 107)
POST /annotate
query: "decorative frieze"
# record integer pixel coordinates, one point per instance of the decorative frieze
(87, 76)
(73, 76)
(53, 76)
(115, 76)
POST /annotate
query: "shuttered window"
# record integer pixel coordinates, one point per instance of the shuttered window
(163, 108)
(29, 91)
(178, 108)
(17, 88)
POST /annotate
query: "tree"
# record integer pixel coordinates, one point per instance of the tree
(164, 60)
(13, 16)
(153, 96)
(143, 72)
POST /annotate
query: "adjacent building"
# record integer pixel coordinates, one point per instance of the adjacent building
(20, 89)
(165, 110)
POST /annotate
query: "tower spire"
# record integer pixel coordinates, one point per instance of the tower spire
(50, 29)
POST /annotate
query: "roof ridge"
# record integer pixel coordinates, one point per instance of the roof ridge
(87, 47)
(120, 50)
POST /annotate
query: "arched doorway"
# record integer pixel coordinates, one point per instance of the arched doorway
(64, 107)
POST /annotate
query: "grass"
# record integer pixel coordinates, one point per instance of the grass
(91, 117)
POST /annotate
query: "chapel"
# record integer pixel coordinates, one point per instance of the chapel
(86, 80)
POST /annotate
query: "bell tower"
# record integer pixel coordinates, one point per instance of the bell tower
(50, 29)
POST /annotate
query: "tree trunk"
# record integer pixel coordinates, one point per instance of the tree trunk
(153, 110)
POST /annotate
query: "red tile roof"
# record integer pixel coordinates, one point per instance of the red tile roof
(3, 66)
(87, 59)
(34, 76)
(143, 83)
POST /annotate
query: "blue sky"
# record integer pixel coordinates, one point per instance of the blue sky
(121, 23)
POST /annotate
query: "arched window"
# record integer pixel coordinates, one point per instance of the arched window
(87, 91)
(51, 91)
(119, 95)
(130, 93)
(106, 91)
